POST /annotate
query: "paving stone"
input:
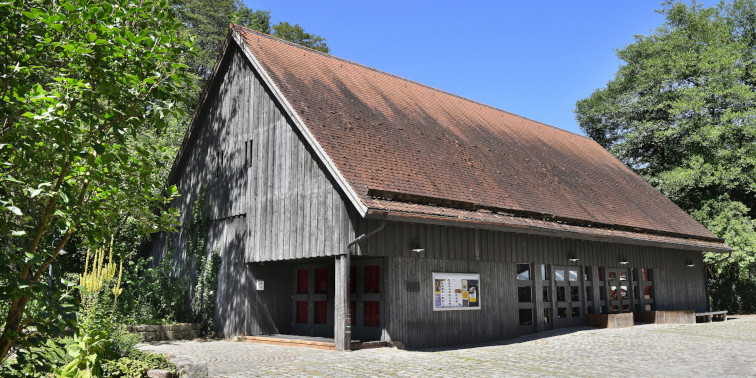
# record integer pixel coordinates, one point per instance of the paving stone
(706, 349)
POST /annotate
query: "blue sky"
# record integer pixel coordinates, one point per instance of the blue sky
(535, 59)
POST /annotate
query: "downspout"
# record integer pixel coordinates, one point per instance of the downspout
(348, 263)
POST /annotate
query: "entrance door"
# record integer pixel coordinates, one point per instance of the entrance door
(313, 300)
(618, 287)
(568, 297)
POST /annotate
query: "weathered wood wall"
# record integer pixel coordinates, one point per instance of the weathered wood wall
(266, 196)
(493, 254)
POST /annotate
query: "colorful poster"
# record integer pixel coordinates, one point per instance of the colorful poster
(456, 291)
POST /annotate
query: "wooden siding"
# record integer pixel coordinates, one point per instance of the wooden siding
(494, 255)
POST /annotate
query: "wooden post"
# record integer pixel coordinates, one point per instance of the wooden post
(342, 332)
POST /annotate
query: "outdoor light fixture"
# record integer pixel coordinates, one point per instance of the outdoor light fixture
(572, 257)
(689, 263)
(623, 261)
(415, 246)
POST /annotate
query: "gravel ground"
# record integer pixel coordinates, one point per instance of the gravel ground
(709, 349)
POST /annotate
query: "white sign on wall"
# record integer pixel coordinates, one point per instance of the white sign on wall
(456, 291)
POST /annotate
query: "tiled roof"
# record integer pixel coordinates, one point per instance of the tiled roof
(399, 143)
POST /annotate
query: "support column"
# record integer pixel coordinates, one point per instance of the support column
(342, 332)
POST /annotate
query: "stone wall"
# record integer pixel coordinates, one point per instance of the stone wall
(181, 331)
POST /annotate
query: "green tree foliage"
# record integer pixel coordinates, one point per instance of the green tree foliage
(681, 112)
(296, 34)
(84, 83)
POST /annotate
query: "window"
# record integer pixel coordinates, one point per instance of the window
(635, 274)
(372, 279)
(545, 273)
(647, 294)
(524, 294)
(248, 153)
(601, 274)
(562, 313)
(573, 275)
(301, 311)
(623, 276)
(647, 274)
(523, 271)
(302, 281)
(602, 296)
(576, 312)
(587, 274)
(545, 294)
(546, 316)
(574, 294)
(588, 293)
(321, 312)
(321, 280)
(559, 274)
(372, 314)
(526, 316)
(561, 294)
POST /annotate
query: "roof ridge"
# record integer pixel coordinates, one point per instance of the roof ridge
(404, 79)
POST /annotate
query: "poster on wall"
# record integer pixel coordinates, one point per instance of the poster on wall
(456, 291)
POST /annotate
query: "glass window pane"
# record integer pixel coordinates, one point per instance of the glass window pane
(574, 294)
(321, 280)
(302, 281)
(623, 292)
(526, 316)
(302, 312)
(612, 276)
(613, 293)
(601, 274)
(623, 276)
(544, 273)
(372, 314)
(321, 312)
(615, 309)
(646, 274)
(545, 294)
(559, 274)
(588, 294)
(635, 274)
(573, 275)
(561, 294)
(649, 307)
(625, 308)
(647, 292)
(587, 274)
(524, 294)
(602, 296)
(576, 312)
(372, 279)
(546, 316)
(562, 312)
(523, 271)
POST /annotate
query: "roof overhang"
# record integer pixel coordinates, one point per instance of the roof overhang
(498, 222)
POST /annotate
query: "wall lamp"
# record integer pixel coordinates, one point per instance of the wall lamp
(572, 257)
(623, 260)
(689, 263)
(415, 246)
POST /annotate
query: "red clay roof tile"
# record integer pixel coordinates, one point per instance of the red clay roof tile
(393, 136)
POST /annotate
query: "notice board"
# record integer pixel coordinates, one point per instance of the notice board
(456, 291)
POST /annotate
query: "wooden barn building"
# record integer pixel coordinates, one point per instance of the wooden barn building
(347, 202)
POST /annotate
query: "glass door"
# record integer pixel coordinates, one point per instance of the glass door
(312, 313)
(618, 288)
(568, 297)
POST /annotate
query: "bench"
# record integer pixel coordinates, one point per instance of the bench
(708, 317)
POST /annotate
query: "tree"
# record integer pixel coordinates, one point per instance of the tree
(681, 112)
(84, 84)
(296, 34)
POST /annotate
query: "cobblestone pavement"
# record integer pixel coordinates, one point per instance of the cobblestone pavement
(712, 349)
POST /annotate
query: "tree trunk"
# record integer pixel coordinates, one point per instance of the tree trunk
(12, 325)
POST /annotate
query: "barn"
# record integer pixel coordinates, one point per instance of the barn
(353, 204)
